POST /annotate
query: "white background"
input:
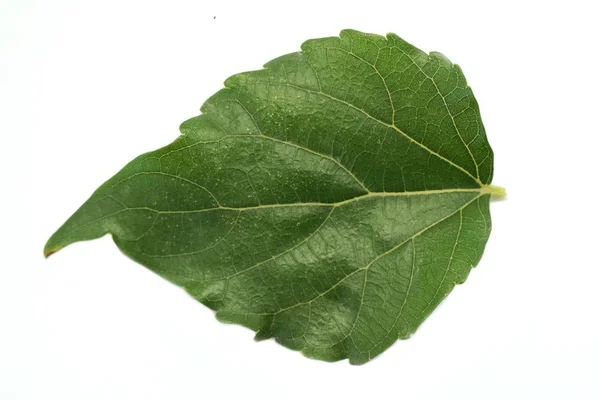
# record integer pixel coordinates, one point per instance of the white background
(87, 86)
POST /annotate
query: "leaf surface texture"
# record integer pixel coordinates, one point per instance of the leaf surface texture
(330, 200)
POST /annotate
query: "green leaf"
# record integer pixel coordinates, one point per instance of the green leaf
(330, 200)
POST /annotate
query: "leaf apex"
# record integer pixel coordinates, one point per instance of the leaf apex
(49, 250)
(55, 243)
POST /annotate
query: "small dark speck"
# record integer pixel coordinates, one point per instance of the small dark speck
(215, 17)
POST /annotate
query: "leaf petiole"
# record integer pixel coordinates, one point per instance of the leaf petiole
(495, 191)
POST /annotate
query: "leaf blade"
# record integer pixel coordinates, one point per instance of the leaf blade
(302, 185)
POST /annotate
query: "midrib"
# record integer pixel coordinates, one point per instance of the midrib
(486, 189)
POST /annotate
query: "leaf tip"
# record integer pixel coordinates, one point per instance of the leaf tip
(48, 251)
(51, 247)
